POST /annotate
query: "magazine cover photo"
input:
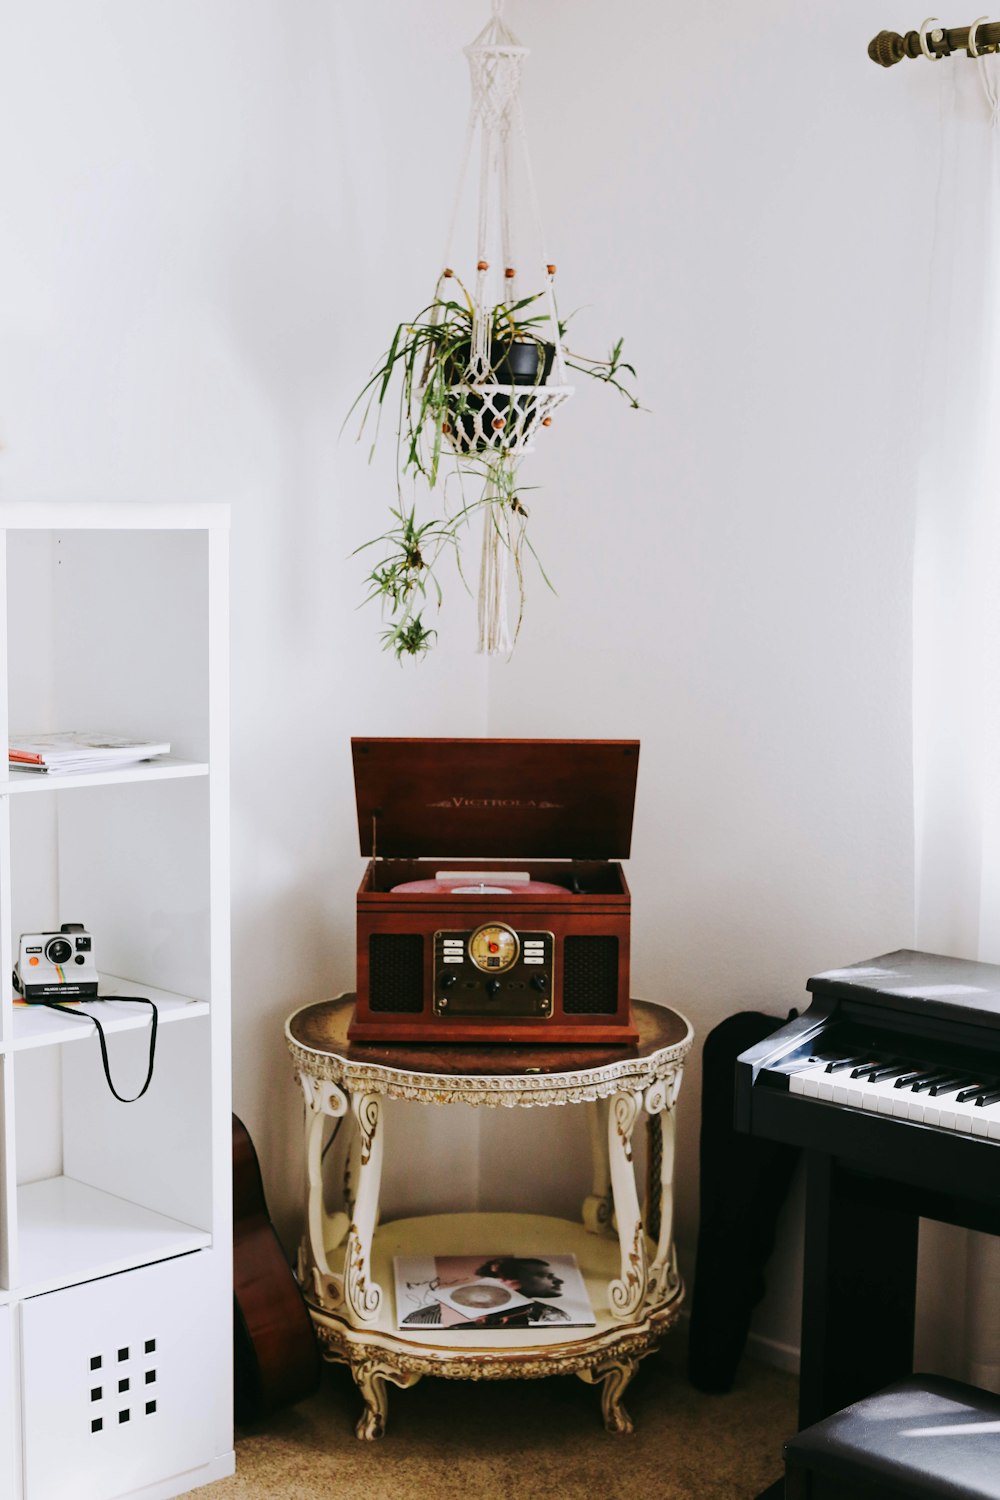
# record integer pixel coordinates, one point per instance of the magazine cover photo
(491, 1291)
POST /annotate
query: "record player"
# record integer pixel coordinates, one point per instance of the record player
(493, 908)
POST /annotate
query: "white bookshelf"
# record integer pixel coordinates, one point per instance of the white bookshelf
(115, 1219)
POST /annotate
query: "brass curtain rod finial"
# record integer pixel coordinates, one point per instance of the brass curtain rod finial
(889, 48)
(886, 48)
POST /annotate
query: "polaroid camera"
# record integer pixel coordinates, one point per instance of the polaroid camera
(56, 965)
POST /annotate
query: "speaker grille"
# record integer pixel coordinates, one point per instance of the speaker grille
(590, 976)
(396, 972)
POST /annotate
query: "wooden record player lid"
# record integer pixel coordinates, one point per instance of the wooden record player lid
(504, 799)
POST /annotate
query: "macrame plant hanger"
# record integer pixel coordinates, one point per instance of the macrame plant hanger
(499, 419)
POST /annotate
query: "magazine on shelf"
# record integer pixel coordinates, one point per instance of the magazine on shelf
(491, 1291)
(75, 750)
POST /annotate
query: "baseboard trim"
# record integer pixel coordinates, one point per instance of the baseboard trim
(768, 1351)
(773, 1352)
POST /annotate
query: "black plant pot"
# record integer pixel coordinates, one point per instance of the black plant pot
(520, 362)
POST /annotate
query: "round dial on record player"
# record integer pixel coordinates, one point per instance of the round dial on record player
(494, 948)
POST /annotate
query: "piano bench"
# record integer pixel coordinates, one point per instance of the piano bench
(922, 1436)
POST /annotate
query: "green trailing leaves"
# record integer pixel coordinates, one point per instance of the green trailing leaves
(431, 360)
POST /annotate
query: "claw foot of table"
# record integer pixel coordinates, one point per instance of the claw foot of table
(370, 1377)
(613, 1376)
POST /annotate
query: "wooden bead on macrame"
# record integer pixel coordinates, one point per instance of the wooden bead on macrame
(447, 271)
(551, 270)
(482, 265)
(510, 273)
(546, 421)
(446, 427)
(499, 423)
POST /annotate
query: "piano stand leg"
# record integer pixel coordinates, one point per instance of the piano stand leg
(860, 1287)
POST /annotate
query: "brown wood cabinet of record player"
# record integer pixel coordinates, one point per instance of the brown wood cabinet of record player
(554, 812)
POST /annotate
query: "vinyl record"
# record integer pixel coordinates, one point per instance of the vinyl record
(457, 887)
(484, 1295)
(480, 1297)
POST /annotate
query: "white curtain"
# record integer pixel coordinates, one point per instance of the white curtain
(957, 622)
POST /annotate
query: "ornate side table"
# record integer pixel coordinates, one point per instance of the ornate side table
(628, 1262)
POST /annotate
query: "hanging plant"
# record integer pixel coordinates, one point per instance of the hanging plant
(474, 377)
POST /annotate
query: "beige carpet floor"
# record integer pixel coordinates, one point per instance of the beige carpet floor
(524, 1440)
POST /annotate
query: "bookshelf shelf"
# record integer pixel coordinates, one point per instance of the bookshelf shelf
(37, 1026)
(72, 1233)
(165, 768)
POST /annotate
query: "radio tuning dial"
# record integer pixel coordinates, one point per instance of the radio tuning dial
(540, 981)
(493, 986)
(448, 981)
(494, 947)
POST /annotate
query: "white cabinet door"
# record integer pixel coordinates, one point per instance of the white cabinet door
(121, 1381)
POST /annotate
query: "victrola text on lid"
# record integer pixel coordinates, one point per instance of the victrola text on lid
(492, 908)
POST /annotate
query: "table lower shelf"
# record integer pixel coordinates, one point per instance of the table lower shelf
(608, 1353)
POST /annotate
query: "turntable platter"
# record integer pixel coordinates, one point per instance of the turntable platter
(462, 886)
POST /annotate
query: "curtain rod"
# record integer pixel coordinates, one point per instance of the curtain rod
(889, 47)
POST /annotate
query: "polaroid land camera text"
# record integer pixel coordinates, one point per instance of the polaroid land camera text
(56, 965)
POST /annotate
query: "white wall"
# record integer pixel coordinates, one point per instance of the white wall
(214, 215)
(734, 565)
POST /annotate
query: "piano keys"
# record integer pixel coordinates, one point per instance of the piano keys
(947, 1098)
(890, 1082)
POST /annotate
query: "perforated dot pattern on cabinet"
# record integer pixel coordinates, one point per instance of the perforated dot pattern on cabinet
(145, 1376)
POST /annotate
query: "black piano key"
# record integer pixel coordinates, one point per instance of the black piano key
(970, 1093)
(868, 1067)
(909, 1079)
(992, 1096)
(928, 1081)
(950, 1085)
(839, 1063)
(889, 1071)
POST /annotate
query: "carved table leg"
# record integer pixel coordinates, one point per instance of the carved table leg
(596, 1211)
(613, 1374)
(659, 1103)
(323, 1232)
(627, 1292)
(352, 1165)
(363, 1294)
(370, 1376)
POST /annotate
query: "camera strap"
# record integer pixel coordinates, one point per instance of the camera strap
(82, 1015)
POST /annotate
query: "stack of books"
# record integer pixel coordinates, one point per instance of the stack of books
(73, 751)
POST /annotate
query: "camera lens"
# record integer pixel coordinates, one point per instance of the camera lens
(58, 950)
